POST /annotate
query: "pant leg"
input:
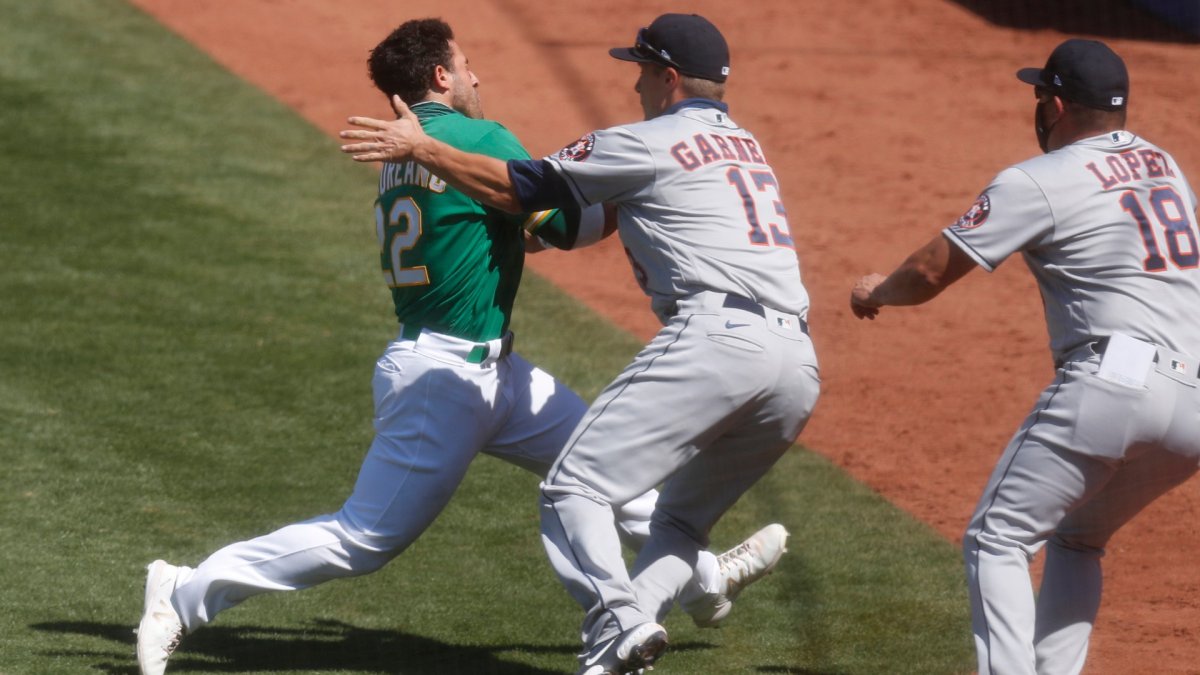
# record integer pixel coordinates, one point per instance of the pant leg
(1033, 487)
(681, 393)
(1086, 460)
(537, 415)
(696, 496)
(1072, 582)
(1035, 483)
(417, 459)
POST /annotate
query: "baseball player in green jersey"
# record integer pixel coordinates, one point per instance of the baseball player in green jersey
(448, 388)
(1106, 222)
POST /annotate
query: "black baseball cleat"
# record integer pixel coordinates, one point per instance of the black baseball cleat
(633, 651)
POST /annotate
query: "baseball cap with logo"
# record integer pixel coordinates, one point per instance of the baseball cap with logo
(688, 43)
(1083, 71)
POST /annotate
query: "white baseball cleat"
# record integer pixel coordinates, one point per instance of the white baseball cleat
(739, 567)
(161, 630)
(633, 651)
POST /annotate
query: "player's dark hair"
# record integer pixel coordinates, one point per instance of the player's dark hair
(403, 63)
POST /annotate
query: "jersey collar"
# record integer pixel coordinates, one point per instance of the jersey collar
(427, 109)
(697, 103)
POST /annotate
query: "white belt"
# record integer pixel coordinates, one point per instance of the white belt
(482, 353)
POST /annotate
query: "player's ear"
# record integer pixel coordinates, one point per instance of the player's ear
(441, 79)
(1058, 109)
(671, 77)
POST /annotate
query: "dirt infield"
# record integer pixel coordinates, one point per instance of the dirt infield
(883, 120)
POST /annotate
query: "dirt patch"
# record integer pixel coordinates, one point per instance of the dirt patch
(883, 121)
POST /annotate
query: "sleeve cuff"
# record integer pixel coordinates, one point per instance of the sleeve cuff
(954, 239)
(538, 186)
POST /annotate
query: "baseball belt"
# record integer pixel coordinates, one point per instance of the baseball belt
(733, 301)
(710, 300)
(467, 350)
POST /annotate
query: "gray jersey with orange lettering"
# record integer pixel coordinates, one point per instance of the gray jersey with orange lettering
(1108, 226)
(698, 207)
(709, 405)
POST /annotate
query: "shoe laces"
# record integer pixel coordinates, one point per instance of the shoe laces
(176, 636)
(735, 565)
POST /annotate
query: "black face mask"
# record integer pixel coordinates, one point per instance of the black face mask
(1043, 133)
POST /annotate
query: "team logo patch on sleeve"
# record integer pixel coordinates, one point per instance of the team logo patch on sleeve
(976, 215)
(579, 150)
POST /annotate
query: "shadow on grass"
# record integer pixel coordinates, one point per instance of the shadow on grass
(796, 671)
(326, 645)
(1098, 18)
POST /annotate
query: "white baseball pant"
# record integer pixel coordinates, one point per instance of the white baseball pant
(434, 412)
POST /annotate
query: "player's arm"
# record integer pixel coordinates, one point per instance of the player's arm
(569, 229)
(483, 178)
(927, 272)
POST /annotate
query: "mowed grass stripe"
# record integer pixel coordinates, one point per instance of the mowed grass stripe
(191, 312)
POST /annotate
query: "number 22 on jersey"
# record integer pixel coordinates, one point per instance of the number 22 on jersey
(398, 232)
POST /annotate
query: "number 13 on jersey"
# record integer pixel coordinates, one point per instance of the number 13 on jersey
(762, 191)
(398, 232)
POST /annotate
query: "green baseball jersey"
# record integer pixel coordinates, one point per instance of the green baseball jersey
(453, 265)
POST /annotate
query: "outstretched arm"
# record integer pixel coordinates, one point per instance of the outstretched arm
(480, 177)
(927, 272)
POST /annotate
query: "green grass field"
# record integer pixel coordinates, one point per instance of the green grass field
(189, 316)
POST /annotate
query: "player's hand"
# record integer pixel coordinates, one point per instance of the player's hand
(384, 140)
(861, 302)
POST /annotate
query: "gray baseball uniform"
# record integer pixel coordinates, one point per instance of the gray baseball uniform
(713, 401)
(1107, 225)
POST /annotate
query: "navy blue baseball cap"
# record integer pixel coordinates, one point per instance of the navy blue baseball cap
(688, 43)
(1083, 71)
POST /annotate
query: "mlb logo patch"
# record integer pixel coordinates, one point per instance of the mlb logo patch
(1179, 366)
(783, 322)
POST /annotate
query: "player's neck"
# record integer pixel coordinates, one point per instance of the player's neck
(437, 97)
(1074, 134)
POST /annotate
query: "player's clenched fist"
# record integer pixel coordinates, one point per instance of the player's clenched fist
(861, 303)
